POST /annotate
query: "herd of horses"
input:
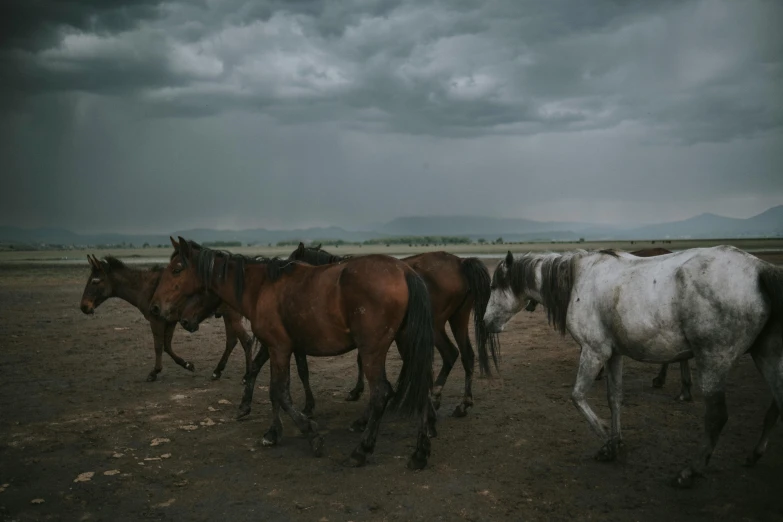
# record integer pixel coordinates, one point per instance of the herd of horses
(712, 305)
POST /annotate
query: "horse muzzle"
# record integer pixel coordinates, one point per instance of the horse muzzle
(190, 326)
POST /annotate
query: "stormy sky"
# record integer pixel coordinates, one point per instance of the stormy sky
(151, 116)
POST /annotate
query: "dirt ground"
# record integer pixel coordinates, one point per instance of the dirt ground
(73, 400)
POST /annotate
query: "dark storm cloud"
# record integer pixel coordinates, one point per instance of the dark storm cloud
(291, 112)
(697, 71)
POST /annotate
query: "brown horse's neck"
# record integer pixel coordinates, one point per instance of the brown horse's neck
(135, 286)
(225, 288)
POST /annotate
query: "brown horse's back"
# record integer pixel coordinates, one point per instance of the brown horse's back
(321, 306)
(442, 272)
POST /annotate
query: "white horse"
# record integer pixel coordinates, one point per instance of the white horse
(712, 304)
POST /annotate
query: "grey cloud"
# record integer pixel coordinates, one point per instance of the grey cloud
(435, 68)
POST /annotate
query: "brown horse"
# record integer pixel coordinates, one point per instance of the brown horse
(660, 379)
(111, 277)
(365, 303)
(457, 286)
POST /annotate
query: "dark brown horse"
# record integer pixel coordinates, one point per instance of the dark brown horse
(457, 286)
(365, 304)
(660, 379)
(111, 277)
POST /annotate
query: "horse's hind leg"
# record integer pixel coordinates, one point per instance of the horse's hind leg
(767, 355)
(448, 353)
(685, 377)
(459, 326)
(614, 393)
(169, 350)
(357, 390)
(304, 375)
(250, 382)
(770, 419)
(380, 393)
(714, 367)
(660, 379)
(591, 362)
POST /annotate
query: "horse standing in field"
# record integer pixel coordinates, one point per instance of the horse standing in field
(111, 277)
(364, 304)
(456, 286)
(712, 304)
(660, 379)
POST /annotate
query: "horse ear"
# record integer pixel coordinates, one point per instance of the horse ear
(509, 259)
(174, 243)
(301, 247)
(319, 246)
(184, 246)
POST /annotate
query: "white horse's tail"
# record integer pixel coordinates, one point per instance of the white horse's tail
(771, 281)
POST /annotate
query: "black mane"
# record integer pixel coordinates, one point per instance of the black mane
(316, 256)
(205, 266)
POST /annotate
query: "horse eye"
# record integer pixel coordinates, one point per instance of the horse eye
(177, 269)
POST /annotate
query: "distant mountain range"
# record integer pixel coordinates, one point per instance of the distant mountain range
(704, 226)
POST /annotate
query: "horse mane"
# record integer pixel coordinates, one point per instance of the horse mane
(111, 263)
(316, 256)
(205, 266)
(557, 280)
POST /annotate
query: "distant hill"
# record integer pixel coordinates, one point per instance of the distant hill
(707, 226)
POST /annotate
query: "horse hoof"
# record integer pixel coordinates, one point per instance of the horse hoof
(152, 377)
(353, 396)
(215, 376)
(432, 432)
(415, 463)
(607, 453)
(189, 366)
(356, 460)
(244, 411)
(658, 383)
(460, 411)
(317, 445)
(266, 442)
(358, 426)
(270, 438)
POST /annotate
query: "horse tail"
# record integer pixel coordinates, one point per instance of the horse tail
(477, 276)
(771, 282)
(415, 381)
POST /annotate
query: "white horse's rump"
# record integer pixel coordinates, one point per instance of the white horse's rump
(714, 304)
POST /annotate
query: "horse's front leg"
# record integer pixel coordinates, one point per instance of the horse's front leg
(280, 393)
(169, 335)
(250, 381)
(158, 332)
(591, 361)
(660, 379)
(614, 394)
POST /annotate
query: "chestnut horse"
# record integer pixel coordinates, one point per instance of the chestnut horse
(365, 303)
(111, 277)
(457, 286)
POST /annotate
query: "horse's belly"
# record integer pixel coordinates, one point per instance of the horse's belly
(660, 349)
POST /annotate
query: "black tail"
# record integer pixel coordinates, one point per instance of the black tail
(771, 282)
(477, 276)
(415, 382)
